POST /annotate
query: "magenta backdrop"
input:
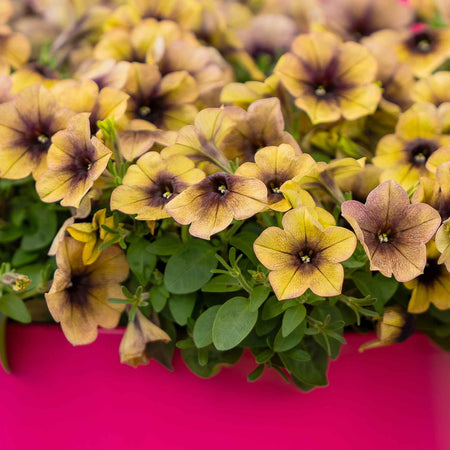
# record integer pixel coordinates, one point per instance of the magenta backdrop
(70, 398)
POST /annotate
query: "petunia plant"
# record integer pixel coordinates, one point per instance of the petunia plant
(213, 184)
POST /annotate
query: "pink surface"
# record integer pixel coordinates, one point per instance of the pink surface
(70, 398)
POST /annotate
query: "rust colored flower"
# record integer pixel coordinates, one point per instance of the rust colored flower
(166, 102)
(152, 182)
(355, 19)
(137, 334)
(433, 286)
(75, 161)
(211, 205)
(403, 156)
(27, 125)
(78, 298)
(330, 79)
(262, 125)
(274, 166)
(92, 234)
(306, 254)
(392, 231)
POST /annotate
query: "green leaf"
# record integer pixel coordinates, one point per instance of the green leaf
(292, 318)
(244, 242)
(283, 344)
(299, 355)
(44, 226)
(185, 343)
(158, 296)
(142, 263)
(274, 307)
(264, 356)
(203, 327)
(181, 307)
(311, 372)
(21, 257)
(165, 245)
(377, 286)
(255, 374)
(3, 352)
(258, 296)
(222, 283)
(12, 305)
(336, 324)
(189, 269)
(233, 323)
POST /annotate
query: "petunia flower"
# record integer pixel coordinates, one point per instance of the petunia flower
(211, 205)
(274, 166)
(442, 240)
(305, 254)
(106, 73)
(152, 182)
(330, 79)
(432, 89)
(433, 286)
(355, 19)
(262, 125)
(166, 102)
(75, 161)
(92, 234)
(403, 156)
(85, 96)
(423, 48)
(392, 231)
(78, 297)
(27, 125)
(137, 334)
(15, 48)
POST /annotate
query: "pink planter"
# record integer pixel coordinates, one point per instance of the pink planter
(71, 398)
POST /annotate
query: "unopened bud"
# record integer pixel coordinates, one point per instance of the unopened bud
(17, 281)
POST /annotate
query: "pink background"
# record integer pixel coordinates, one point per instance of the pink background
(64, 397)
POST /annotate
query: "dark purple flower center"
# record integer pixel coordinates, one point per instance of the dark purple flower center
(305, 256)
(431, 273)
(423, 41)
(152, 110)
(162, 191)
(81, 164)
(420, 150)
(78, 289)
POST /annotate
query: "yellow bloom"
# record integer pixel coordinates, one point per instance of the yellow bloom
(75, 161)
(330, 79)
(78, 298)
(433, 286)
(305, 254)
(442, 240)
(92, 235)
(152, 182)
(404, 155)
(211, 205)
(166, 102)
(392, 231)
(262, 125)
(432, 89)
(27, 125)
(274, 166)
(106, 73)
(137, 334)
(14, 48)
(85, 96)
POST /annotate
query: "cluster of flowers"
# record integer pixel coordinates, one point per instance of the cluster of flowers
(310, 137)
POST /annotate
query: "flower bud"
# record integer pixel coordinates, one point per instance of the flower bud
(395, 326)
(17, 281)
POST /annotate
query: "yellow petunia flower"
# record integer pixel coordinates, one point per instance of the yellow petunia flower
(442, 240)
(305, 254)
(274, 166)
(78, 297)
(432, 89)
(211, 205)
(75, 161)
(27, 125)
(433, 286)
(152, 182)
(330, 79)
(403, 156)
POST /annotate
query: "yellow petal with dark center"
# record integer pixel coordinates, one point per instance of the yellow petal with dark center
(336, 244)
(359, 101)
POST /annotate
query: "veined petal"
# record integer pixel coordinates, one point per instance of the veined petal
(336, 244)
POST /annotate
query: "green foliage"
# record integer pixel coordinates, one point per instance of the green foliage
(189, 268)
(233, 322)
(141, 261)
